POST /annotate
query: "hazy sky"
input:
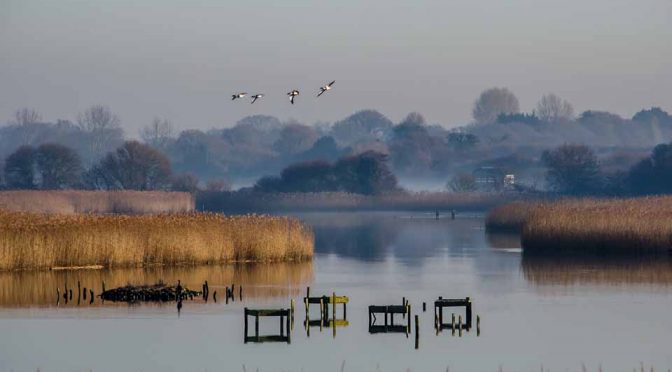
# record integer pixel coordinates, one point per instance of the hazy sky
(183, 59)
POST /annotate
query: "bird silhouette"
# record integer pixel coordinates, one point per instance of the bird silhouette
(325, 88)
(292, 94)
(238, 95)
(256, 97)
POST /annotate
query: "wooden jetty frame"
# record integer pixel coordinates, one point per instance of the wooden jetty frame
(324, 302)
(390, 327)
(452, 302)
(284, 325)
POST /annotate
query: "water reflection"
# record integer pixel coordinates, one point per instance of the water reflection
(22, 289)
(612, 271)
(373, 237)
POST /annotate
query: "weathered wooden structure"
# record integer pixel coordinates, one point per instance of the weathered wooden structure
(388, 312)
(324, 319)
(285, 329)
(453, 302)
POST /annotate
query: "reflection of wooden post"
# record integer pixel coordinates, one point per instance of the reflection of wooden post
(256, 326)
(417, 331)
(58, 296)
(91, 300)
(321, 313)
(478, 325)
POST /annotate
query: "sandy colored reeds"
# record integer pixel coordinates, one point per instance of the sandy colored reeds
(40, 241)
(634, 225)
(78, 201)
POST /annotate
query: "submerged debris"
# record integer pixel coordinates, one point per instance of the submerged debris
(159, 292)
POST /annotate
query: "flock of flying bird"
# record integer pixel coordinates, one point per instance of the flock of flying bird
(291, 94)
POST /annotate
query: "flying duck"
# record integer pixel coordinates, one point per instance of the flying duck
(238, 95)
(292, 94)
(256, 97)
(325, 88)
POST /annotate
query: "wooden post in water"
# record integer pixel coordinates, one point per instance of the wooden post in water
(321, 313)
(84, 294)
(92, 297)
(289, 333)
(214, 296)
(403, 303)
(58, 296)
(244, 312)
(417, 331)
(240, 292)
(452, 323)
(333, 315)
(291, 323)
(227, 295)
(424, 307)
(468, 313)
(103, 286)
(256, 326)
(305, 300)
(478, 325)
(233, 291)
(408, 313)
(70, 292)
(460, 325)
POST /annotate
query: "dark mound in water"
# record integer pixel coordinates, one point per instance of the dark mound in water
(159, 292)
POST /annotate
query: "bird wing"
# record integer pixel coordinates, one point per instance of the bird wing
(322, 90)
(332, 83)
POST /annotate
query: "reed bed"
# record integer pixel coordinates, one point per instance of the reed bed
(246, 201)
(78, 201)
(41, 241)
(594, 226)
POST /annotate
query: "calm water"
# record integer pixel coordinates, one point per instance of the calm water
(556, 313)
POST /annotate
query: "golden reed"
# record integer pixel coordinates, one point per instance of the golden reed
(634, 225)
(77, 201)
(41, 241)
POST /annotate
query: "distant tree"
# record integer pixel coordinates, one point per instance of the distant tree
(158, 134)
(552, 109)
(187, 182)
(652, 175)
(572, 169)
(362, 126)
(20, 169)
(325, 148)
(600, 117)
(411, 145)
(103, 126)
(217, 185)
(463, 182)
(653, 115)
(530, 119)
(295, 138)
(366, 173)
(59, 166)
(26, 116)
(462, 141)
(493, 102)
(133, 166)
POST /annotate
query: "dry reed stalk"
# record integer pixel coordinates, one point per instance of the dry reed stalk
(39, 241)
(78, 201)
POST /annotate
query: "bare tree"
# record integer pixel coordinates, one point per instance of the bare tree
(552, 108)
(493, 102)
(157, 134)
(102, 124)
(27, 116)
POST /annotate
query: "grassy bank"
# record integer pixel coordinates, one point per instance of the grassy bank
(596, 226)
(39, 241)
(246, 201)
(77, 201)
